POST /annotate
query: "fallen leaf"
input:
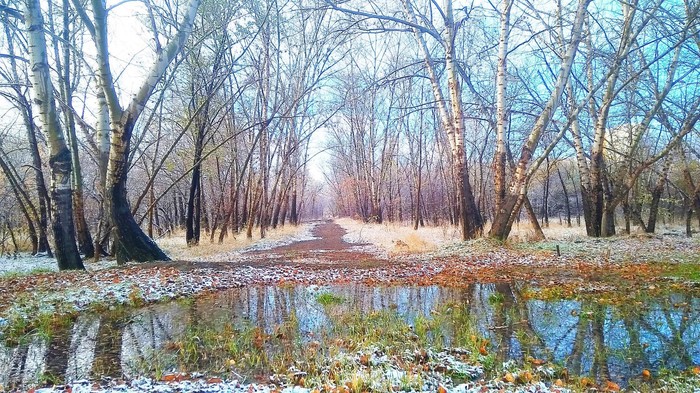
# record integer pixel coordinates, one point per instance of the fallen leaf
(587, 382)
(509, 378)
(364, 359)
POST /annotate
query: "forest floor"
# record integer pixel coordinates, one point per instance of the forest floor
(618, 270)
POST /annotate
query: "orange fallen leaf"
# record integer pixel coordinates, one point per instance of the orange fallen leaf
(646, 374)
(526, 376)
(509, 378)
(696, 370)
(441, 389)
(559, 383)
(587, 382)
(611, 386)
(483, 351)
(214, 380)
(364, 360)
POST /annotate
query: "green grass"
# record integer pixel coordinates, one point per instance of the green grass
(328, 299)
(686, 271)
(26, 273)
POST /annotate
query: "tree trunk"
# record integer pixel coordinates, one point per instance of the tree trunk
(194, 206)
(66, 251)
(656, 196)
(85, 244)
(567, 205)
(545, 197)
(28, 119)
(503, 221)
(499, 177)
(130, 242)
(44, 201)
(539, 234)
(293, 215)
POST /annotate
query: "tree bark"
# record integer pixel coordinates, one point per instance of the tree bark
(499, 176)
(25, 107)
(512, 204)
(567, 205)
(66, 90)
(130, 241)
(656, 197)
(66, 250)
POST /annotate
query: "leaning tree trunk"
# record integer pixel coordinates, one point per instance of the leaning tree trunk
(512, 203)
(42, 191)
(130, 242)
(66, 250)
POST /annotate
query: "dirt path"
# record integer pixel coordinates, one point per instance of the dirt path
(327, 249)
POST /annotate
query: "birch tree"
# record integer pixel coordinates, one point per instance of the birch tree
(644, 25)
(66, 250)
(449, 104)
(17, 78)
(517, 192)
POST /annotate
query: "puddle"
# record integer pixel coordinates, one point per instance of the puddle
(284, 324)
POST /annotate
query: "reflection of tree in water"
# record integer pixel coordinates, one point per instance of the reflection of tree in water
(587, 337)
(512, 323)
(18, 363)
(676, 332)
(108, 345)
(57, 350)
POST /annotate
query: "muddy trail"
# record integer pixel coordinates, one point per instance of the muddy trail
(327, 249)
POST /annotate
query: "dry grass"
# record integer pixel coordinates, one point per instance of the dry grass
(176, 247)
(401, 238)
(398, 238)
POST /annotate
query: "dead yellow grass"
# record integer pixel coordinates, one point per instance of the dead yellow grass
(397, 238)
(176, 247)
(401, 238)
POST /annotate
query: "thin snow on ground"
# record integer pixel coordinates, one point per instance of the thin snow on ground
(27, 263)
(175, 247)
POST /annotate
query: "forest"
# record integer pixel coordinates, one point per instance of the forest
(417, 143)
(429, 113)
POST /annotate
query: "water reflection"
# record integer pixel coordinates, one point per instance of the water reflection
(606, 342)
